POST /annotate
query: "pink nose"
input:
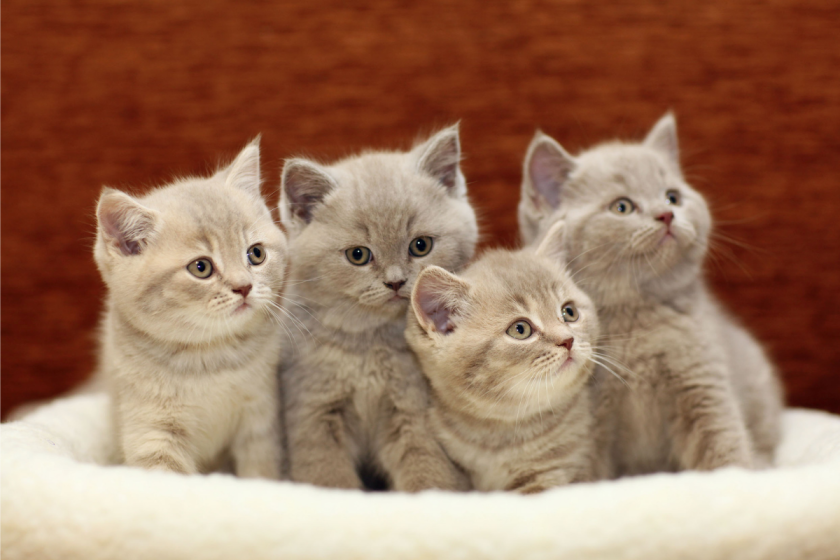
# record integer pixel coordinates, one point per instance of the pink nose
(395, 285)
(567, 343)
(667, 217)
(244, 290)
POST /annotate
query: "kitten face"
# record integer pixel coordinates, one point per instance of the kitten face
(194, 260)
(631, 218)
(511, 337)
(363, 228)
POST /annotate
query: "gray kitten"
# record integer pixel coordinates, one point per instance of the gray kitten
(189, 338)
(700, 392)
(361, 230)
(508, 347)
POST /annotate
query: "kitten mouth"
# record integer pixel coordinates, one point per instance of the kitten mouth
(398, 297)
(242, 307)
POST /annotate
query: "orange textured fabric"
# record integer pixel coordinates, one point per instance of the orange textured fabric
(132, 94)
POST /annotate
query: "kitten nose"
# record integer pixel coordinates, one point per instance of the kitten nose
(667, 217)
(395, 285)
(567, 343)
(244, 290)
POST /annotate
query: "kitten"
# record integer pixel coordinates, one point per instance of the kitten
(507, 347)
(189, 340)
(361, 230)
(699, 393)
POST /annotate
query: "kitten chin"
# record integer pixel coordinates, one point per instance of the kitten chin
(195, 272)
(361, 229)
(699, 392)
(508, 347)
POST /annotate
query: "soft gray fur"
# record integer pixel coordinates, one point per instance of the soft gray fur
(699, 392)
(353, 390)
(514, 413)
(192, 361)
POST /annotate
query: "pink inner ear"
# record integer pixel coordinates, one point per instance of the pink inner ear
(549, 170)
(114, 225)
(434, 311)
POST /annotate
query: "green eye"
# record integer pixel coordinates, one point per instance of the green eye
(358, 256)
(570, 313)
(202, 268)
(256, 254)
(622, 207)
(421, 246)
(674, 197)
(520, 330)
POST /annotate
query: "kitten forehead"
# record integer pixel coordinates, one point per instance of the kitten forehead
(520, 278)
(196, 205)
(624, 164)
(382, 185)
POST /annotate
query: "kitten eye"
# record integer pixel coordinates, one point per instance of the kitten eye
(520, 330)
(570, 312)
(622, 207)
(421, 246)
(202, 268)
(358, 256)
(256, 254)
(674, 197)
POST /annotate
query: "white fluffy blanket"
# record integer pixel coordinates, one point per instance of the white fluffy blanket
(61, 499)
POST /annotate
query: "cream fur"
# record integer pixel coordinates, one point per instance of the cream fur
(699, 393)
(513, 413)
(192, 362)
(60, 498)
(353, 392)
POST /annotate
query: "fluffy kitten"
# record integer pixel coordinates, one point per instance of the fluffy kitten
(189, 341)
(699, 393)
(361, 230)
(507, 348)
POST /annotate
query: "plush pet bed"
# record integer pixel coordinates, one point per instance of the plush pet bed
(61, 498)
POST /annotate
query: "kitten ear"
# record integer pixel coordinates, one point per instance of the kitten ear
(663, 138)
(553, 245)
(305, 184)
(124, 223)
(440, 157)
(436, 297)
(546, 170)
(244, 172)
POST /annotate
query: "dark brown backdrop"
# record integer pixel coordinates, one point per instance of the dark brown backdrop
(123, 93)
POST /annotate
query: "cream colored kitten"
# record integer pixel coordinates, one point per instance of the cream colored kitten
(507, 347)
(361, 230)
(699, 393)
(189, 344)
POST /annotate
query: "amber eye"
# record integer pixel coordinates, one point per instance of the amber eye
(256, 254)
(622, 207)
(520, 330)
(570, 312)
(358, 256)
(674, 197)
(202, 268)
(420, 246)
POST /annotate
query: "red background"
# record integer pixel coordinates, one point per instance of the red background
(132, 94)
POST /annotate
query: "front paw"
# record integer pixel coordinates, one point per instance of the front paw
(326, 475)
(426, 475)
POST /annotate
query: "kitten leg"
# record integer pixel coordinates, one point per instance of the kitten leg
(157, 448)
(319, 452)
(530, 481)
(604, 391)
(256, 447)
(708, 431)
(414, 459)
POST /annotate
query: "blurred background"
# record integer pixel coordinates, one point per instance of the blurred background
(131, 94)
